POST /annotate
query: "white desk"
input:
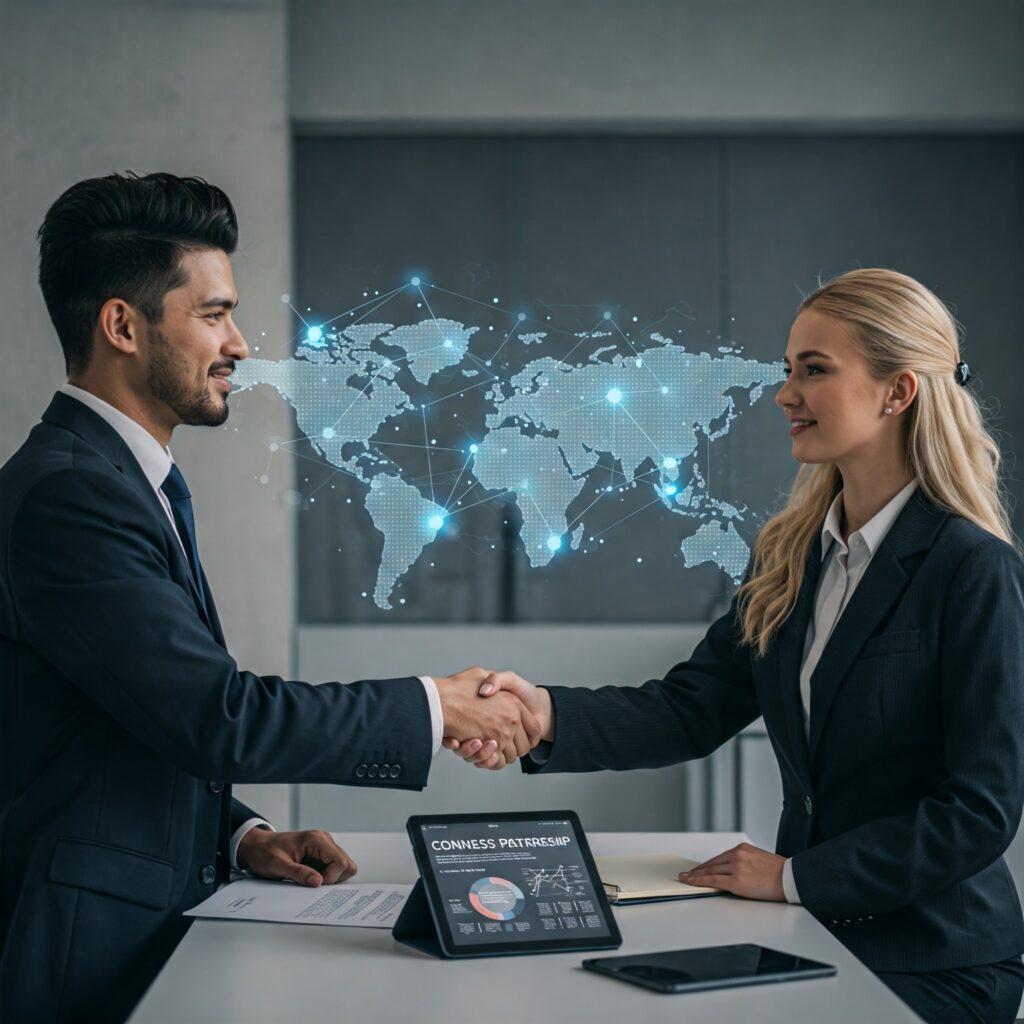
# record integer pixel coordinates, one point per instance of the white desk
(227, 971)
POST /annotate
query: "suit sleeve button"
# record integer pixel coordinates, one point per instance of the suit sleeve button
(360, 772)
(215, 787)
(374, 769)
(384, 770)
(808, 805)
(208, 875)
(396, 770)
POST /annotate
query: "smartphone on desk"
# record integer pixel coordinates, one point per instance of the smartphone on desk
(708, 967)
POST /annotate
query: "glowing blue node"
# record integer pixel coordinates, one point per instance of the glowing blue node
(554, 543)
(664, 390)
(474, 448)
(328, 432)
(614, 396)
(671, 489)
(607, 316)
(447, 342)
(415, 282)
(670, 463)
(435, 522)
(522, 317)
(314, 334)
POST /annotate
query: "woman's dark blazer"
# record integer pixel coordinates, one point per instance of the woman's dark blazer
(898, 811)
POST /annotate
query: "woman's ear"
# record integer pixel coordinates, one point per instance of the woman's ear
(903, 392)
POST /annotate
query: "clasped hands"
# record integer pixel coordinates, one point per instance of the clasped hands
(491, 719)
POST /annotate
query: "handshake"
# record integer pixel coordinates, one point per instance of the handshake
(491, 719)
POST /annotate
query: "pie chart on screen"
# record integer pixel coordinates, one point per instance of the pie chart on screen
(496, 898)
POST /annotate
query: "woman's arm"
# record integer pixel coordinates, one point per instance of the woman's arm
(697, 706)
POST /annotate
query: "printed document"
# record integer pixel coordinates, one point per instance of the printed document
(355, 905)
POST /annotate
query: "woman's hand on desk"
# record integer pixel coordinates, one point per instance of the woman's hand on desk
(744, 870)
(310, 858)
(537, 701)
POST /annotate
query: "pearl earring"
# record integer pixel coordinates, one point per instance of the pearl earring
(888, 411)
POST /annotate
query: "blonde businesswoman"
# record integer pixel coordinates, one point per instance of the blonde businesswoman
(880, 632)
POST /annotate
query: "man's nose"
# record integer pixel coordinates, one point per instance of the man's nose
(236, 347)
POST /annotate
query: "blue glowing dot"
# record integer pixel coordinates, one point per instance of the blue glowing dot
(435, 522)
(614, 396)
(328, 432)
(314, 334)
(607, 316)
(554, 543)
(447, 342)
(669, 462)
(522, 317)
(671, 489)
(415, 282)
(664, 390)
(474, 448)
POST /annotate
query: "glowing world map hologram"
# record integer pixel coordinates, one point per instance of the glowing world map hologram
(447, 409)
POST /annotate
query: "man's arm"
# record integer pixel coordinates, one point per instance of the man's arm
(96, 599)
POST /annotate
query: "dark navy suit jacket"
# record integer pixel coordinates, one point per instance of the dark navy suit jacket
(898, 811)
(123, 718)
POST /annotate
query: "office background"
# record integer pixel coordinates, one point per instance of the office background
(799, 137)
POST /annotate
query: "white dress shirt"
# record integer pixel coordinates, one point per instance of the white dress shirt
(155, 461)
(844, 565)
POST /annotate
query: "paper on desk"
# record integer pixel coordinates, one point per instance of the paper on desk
(355, 905)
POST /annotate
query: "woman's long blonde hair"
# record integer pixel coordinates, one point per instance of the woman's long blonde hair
(898, 325)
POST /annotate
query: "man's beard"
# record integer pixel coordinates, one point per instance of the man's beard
(168, 381)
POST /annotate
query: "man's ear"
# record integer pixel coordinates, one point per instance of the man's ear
(118, 325)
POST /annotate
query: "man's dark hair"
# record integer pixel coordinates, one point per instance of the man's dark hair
(123, 236)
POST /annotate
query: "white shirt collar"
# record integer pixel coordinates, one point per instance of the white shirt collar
(151, 455)
(873, 532)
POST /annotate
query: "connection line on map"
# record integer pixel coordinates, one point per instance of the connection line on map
(455, 394)
(421, 447)
(588, 335)
(630, 516)
(515, 327)
(661, 454)
(426, 442)
(541, 514)
(600, 495)
(483, 501)
(378, 299)
(475, 483)
(643, 362)
(469, 459)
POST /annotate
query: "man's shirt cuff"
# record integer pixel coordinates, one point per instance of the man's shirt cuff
(240, 833)
(789, 883)
(436, 714)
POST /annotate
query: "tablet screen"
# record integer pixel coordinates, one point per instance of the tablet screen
(513, 880)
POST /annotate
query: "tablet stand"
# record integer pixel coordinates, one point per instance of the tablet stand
(415, 925)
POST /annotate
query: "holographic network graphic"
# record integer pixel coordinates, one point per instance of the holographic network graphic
(460, 405)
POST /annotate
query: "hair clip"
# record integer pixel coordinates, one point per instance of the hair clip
(962, 374)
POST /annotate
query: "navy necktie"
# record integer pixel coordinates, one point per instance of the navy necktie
(181, 508)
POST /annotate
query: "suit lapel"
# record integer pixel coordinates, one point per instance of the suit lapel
(880, 588)
(70, 414)
(789, 654)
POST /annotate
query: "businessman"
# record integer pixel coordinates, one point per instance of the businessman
(123, 718)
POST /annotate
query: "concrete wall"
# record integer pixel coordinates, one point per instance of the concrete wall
(702, 63)
(88, 88)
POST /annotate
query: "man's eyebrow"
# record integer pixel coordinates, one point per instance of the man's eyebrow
(219, 303)
(808, 354)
